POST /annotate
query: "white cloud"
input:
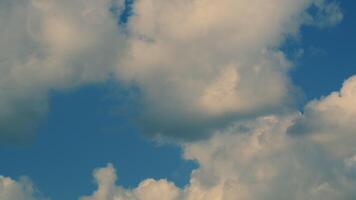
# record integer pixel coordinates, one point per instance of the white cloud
(330, 121)
(265, 163)
(250, 160)
(261, 159)
(148, 189)
(50, 45)
(258, 159)
(199, 64)
(202, 64)
(18, 190)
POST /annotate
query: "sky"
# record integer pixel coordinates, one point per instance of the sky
(177, 100)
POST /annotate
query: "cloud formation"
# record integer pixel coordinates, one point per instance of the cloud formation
(262, 159)
(204, 67)
(200, 65)
(330, 121)
(251, 160)
(256, 159)
(148, 189)
(18, 190)
(203, 64)
(50, 45)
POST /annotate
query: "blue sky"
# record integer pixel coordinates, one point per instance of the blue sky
(83, 131)
(329, 55)
(90, 125)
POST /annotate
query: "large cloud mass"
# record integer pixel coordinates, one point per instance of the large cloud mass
(310, 156)
(259, 160)
(251, 160)
(201, 64)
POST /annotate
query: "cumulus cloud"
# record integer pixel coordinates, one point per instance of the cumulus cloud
(203, 64)
(263, 162)
(330, 121)
(18, 190)
(203, 67)
(148, 189)
(50, 45)
(261, 158)
(199, 64)
(250, 160)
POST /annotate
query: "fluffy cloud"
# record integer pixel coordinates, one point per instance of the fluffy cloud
(202, 64)
(263, 162)
(262, 159)
(330, 121)
(50, 45)
(18, 190)
(199, 64)
(250, 160)
(148, 189)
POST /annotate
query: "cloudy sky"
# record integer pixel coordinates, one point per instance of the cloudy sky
(177, 100)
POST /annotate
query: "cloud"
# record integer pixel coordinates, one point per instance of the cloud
(290, 156)
(203, 64)
(148, 189)
(330, 121)
(250, 160)
(253, 159)
(50, 45)
(18, 190)
(199, 64)
(261, 159)
(203, 68)
(263, 162)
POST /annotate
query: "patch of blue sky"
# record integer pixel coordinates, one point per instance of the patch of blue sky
(86, 129)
